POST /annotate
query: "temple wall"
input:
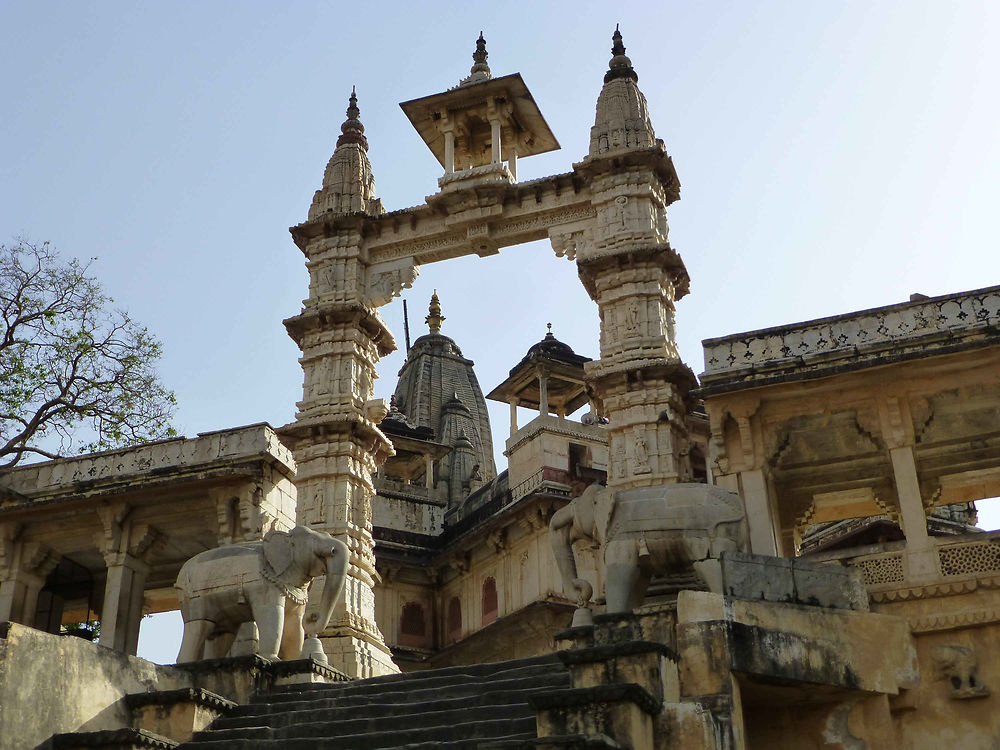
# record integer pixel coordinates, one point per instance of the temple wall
(74, 685)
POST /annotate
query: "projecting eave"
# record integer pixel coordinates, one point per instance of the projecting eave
(530, 129)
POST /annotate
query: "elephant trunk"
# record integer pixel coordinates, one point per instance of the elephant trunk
(560, 537)
(336, 569)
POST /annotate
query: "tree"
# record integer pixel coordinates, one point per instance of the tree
(72, 369)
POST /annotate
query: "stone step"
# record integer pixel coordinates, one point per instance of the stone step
(486, 698)
(112, 739)
(484, 669)
(404, 725)
(573, 742)
(407, 683)
(468, 735)
(403, 695)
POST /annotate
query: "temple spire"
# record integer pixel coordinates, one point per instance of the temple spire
(434, 317)
(480, 69)
(622, 120)
(348, 183)
(620, 66)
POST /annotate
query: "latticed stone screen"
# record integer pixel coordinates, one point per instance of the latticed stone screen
(886, 569)
(970, 559)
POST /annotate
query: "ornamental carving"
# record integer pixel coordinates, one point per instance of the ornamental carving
(387, 280)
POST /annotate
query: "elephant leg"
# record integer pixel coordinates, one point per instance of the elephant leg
(710, 571)
(219, 645)
(270, 623)
(626, 582)
(193, 640)
(293, 635)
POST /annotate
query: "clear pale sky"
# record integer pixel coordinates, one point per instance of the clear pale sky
(833, 156)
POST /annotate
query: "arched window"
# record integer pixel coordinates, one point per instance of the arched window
(454, 619)
(413, 625)
(489, 601)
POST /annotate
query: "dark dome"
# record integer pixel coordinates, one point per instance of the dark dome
(551, 348)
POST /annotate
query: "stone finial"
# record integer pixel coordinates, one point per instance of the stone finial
(352, 130)
(620, 66)
(434, 317)
(480, 69)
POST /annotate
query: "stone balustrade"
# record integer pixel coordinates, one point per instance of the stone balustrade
(966, 556)
(863, 338)
(117, 466)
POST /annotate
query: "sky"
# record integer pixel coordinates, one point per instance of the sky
(833, 157)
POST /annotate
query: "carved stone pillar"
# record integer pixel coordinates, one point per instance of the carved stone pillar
(629, 269)
(127, 548)
(24, 566)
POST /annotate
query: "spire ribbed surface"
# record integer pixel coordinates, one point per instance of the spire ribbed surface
(622, 119)
(438, 389)
(348, 182)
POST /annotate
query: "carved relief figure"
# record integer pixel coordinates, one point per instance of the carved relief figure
(640, 453)
(618, 466)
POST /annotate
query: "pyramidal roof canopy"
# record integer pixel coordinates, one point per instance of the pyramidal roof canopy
(469, 112)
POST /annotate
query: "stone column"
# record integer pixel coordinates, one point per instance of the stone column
(428, 471)
(920, 551)
(543, 392)
(24, 566)
(757, 498)
(634, 276)
(629, 269)
(336, 440)
(496, 155)
(513, 414)
(122, 611)
(127, 548)
(449, 152)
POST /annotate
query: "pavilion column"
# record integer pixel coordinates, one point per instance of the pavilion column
(512, 164)
(757, 497)
(429, 471)
(127, 548)
(24, 566)
(497, 156)
(543, 392)
(449, 152)
(921, 553)
(513, 414)
(122, 611)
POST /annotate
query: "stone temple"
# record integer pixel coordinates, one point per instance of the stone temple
(779, 553)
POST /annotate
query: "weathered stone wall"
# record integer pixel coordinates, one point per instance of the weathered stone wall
(51, 684)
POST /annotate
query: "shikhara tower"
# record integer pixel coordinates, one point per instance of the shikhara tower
(608, 215)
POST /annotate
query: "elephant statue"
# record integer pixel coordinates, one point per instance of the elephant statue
(647, 531)
(265, 582)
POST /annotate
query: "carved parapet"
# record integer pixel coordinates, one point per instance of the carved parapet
(860, 339)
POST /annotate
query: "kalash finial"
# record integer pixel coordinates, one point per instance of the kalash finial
(352, 129)
(434, 318)
(620, 66)
(480, 69)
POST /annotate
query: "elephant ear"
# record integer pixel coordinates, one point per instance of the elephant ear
(278, 551)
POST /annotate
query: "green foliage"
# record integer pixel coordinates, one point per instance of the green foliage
(75, 374)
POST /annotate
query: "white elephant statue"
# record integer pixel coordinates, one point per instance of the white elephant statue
(265, 582)
(647, 531)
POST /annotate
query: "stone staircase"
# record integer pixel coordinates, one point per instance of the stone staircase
(477, 707)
